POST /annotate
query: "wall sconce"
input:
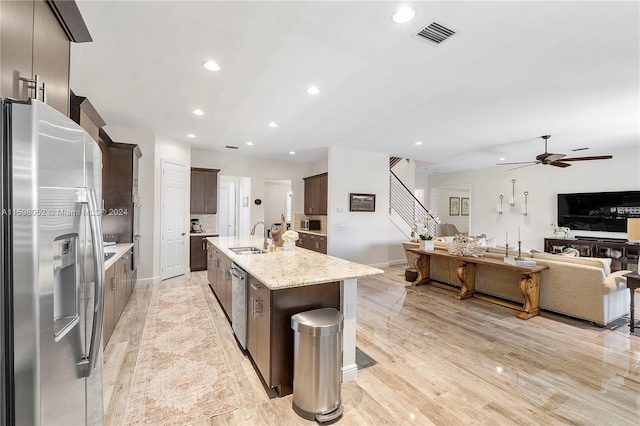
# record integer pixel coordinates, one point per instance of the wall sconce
(500, 205)
(525, 206)
(512, 199)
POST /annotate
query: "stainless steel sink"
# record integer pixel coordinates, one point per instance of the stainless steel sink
(247, 250)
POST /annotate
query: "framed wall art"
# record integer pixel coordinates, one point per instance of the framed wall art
(464, 206)
(454, 206)
(362, 202)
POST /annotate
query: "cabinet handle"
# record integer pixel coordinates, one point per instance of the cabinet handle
(258, 312)
(36, 87)
(255, 287)
(204, 246)
(114, 285)
(253, 307)
(44, 91)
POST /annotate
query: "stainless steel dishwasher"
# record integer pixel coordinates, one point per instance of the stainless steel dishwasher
(239, 281)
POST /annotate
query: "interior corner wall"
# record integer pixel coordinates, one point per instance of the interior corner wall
(257, 169)
(439, 205)
(422, 182)
(178, 152)
(360, 237)
(146, 141)
(405, 170)
(543, 184)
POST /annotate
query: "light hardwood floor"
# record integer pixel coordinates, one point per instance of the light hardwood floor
(440, 361)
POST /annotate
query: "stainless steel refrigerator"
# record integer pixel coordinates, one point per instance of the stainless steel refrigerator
(52, 269)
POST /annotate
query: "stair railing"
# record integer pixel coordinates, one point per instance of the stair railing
(408, 207)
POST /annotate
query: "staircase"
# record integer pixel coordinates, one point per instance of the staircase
(406, 208)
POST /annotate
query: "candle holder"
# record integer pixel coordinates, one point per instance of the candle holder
(512, 199)
(519, 251)
(506, 250)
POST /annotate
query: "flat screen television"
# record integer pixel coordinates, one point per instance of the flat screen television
(598, 211)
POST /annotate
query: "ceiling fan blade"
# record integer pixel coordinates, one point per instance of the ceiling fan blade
(554, 157)
(559, 164)
(520, 162)
(597, 157)
(514, 168)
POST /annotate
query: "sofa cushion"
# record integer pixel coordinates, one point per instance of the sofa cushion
(604, 263)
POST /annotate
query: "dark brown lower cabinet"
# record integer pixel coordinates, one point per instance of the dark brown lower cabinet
(109, 318)
(119, 283)
(198, 253)
(219, 275)
(270, 337)
(313, 242)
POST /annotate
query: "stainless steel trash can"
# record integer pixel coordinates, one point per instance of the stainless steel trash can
(317, 364)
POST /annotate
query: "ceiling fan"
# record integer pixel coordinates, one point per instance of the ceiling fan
(558, 160)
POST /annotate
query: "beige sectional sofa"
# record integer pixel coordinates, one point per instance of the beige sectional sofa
(581, 287)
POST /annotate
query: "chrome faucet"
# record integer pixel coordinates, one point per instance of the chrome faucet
(265, 246)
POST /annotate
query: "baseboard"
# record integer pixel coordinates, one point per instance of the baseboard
(349, 372)
(379, 265)
(398, 262)
(147, 281)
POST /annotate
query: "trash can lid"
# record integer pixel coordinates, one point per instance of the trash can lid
(319, 322)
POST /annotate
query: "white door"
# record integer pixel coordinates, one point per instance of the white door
(227, 208)
(172, 220)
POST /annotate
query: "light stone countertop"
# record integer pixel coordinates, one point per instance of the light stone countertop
(119, 250)
(204, 234)
(285, 269)
(311, 232)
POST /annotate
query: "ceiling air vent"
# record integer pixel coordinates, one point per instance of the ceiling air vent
(435, 33)
(231, 147)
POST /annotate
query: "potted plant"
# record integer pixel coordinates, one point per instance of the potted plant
(426, 228)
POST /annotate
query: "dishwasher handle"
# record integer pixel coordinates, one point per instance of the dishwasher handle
(236, 273)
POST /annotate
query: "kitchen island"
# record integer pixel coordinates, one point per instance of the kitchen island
(288, 274)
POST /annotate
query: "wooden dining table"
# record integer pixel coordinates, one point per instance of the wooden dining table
(529, 282)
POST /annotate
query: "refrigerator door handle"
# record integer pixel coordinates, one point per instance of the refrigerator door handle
(98, 264)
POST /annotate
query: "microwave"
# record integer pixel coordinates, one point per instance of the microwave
(310, 225)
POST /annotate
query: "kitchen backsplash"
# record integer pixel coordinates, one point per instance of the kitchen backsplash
(207, 221)
(322, 218)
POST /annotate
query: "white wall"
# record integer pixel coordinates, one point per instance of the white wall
(258, 170)
(622, 173)
(439, 204)
(358, 236)
(399, 231)
(277, 193)
(146, 141)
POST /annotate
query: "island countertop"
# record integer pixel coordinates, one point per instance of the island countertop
(285, 269)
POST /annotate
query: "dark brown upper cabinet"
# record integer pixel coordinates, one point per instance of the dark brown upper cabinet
(34, 49)
(315, 194)
(204, 191)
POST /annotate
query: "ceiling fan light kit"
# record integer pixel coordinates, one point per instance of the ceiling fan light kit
(557, 160)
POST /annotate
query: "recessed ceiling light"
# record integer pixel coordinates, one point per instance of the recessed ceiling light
(403, 14)
(292, 153)
(273, 124)
(198, 112)
(211, 65)
(191, 135)
(418, 143)
(313, 90)
(250, 143)
(501, 159)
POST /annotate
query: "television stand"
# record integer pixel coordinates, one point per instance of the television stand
(623, 255)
